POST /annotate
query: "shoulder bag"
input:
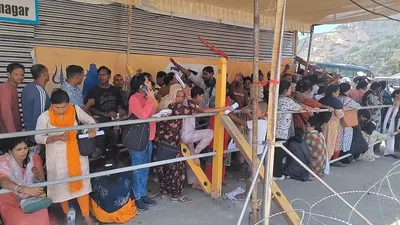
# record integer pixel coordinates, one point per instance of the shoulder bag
(166, 151)
(136, 136)
(87, 146)
(34, 204)
(350, 118)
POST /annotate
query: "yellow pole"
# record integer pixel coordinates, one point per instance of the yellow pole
(217, 162)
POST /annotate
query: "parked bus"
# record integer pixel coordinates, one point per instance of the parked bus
(344, 69)
(394, 82)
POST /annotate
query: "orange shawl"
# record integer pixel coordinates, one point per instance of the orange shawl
(73, 155)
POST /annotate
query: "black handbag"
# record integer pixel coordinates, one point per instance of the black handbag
(87, 146)
(136, 136)
(166, 151)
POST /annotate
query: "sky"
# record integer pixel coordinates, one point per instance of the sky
(321, 29)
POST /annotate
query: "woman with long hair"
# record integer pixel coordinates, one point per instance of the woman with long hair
(373, 98)
(284, 125)
(18, 169)
(302, 96)
(358, 93)
(143, 105)
(330, 130)
(63, 159)
(346, 133)
(391, 125)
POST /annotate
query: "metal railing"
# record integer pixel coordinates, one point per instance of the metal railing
(129, 122)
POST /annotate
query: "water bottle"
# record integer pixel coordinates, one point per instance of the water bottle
(71, 215)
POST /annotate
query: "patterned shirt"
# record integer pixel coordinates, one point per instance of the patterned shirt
(318, 152)
(169, 131)
(284, 123)
(74, 94)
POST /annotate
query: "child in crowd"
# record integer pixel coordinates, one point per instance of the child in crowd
(371, 136)
(190, 136)
(317, 145)
(262, 126)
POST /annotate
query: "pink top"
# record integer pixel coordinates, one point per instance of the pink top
(10, 118)
(37, 162)
(357, 95)
(143, 108)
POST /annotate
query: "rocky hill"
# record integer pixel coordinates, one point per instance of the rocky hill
(373, 44)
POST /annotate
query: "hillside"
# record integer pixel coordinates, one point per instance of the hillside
(373, 44)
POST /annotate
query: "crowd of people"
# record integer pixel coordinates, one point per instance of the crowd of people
(314, 137)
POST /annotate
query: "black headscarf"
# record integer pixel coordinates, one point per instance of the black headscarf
(329, 99)
(374, 86)
(344, 87)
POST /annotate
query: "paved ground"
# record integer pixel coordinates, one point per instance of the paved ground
(355, 177)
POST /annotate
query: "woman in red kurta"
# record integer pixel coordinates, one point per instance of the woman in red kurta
(301, 95)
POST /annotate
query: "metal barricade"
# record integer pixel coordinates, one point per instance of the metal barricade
(123, 123)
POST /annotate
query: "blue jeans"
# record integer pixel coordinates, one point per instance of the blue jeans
(141, 176)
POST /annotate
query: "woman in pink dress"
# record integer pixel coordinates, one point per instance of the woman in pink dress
(18, 169)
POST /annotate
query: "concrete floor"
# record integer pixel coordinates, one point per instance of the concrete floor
(355, 177)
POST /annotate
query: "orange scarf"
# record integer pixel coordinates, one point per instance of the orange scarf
(73, 155)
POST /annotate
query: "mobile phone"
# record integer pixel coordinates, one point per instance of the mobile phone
(144, 89)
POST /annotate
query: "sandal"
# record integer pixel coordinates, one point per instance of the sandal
(151, 194)
(197, 187)
(182, 199)
(244, 178)
(165, 196)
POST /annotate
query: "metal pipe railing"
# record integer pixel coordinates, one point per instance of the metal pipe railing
(125, 169)
(348, 155)
(100, 125)
(129, 122)
(122, 170)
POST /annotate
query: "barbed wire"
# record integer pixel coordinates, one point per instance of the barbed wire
(312, 215)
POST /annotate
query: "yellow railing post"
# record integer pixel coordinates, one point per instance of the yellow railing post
(217, 162)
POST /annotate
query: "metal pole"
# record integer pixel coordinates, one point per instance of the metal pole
(272, 107)
(295, 42)
(324, 183)
(100, 125)
(253, 183)
(128, 76)
(255, 93)
(309, 50)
